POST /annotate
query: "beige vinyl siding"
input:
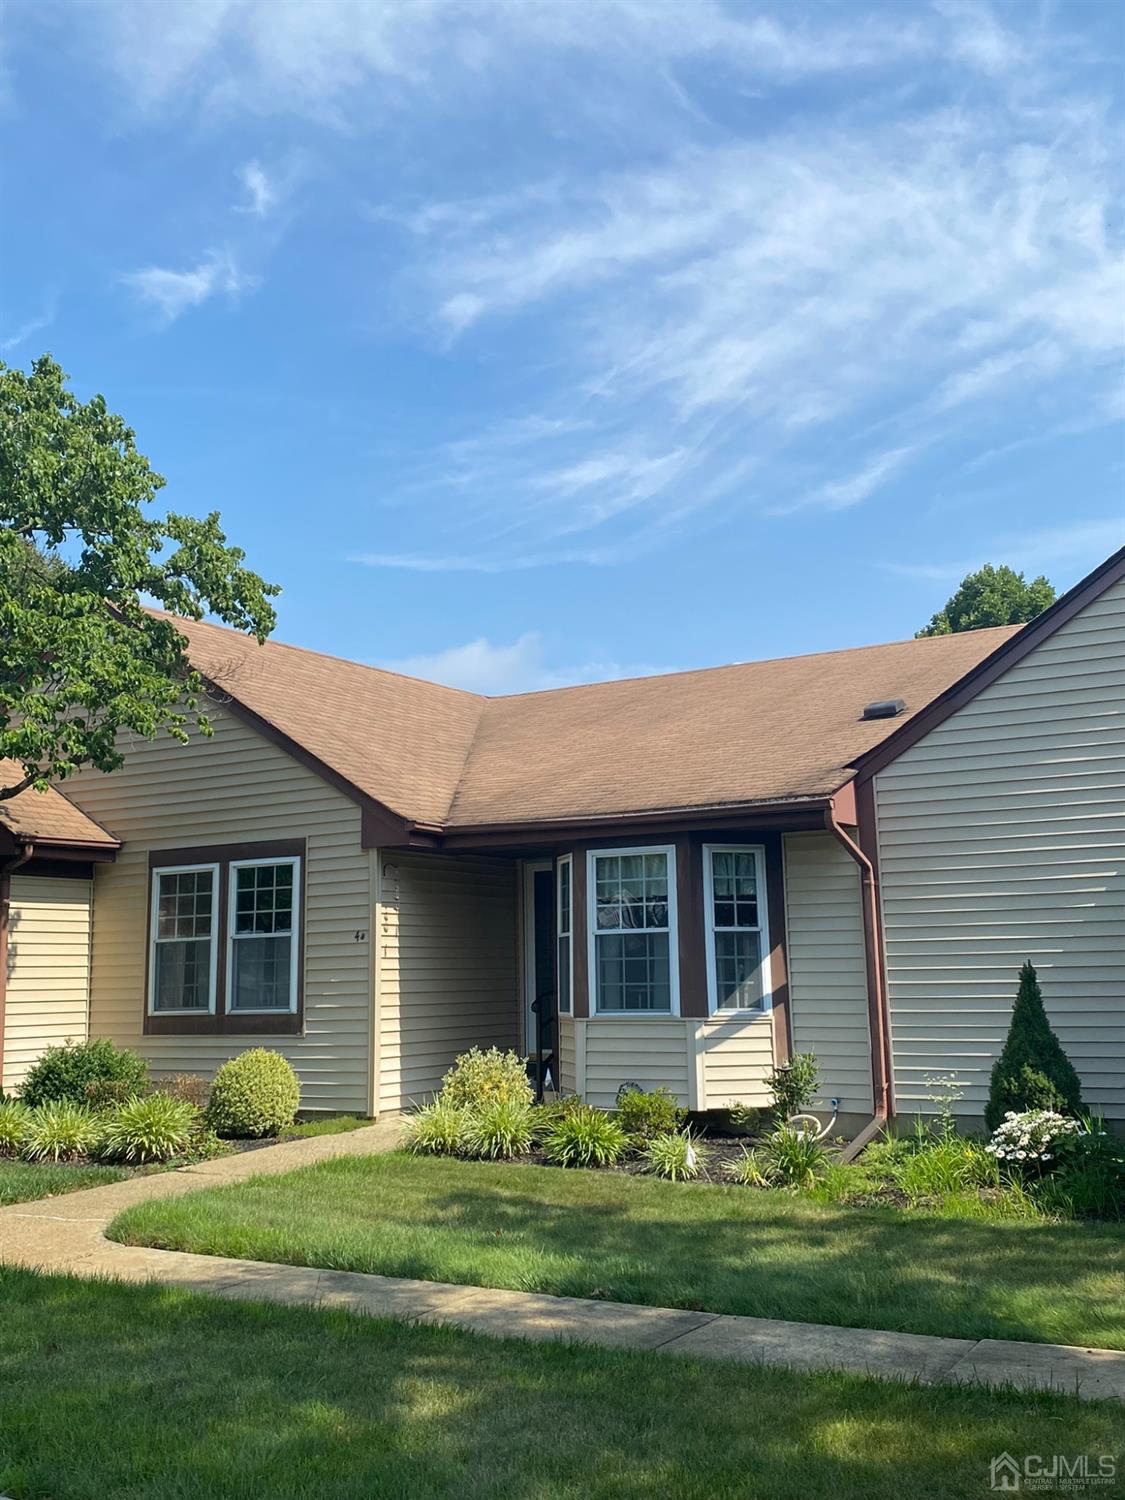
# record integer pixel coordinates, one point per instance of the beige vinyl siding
(48, 969)
(652, 1051)
(735, 1054)
(827, 966)
(236, 788)
(448, 977)
(1002, 837)
(568, 1061)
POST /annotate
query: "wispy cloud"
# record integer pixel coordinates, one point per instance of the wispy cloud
(23, 331)
(842, 494)
(480, 666)
(1074, 548)
(261, 192)
(172, 293)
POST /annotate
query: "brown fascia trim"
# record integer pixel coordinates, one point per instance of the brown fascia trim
(99, 853)
(855, 807)
(380, 825)
(1006, 655)
(799, 814)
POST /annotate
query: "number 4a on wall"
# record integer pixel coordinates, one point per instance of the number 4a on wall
(360, 936)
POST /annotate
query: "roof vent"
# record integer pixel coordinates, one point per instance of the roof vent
(886, 708)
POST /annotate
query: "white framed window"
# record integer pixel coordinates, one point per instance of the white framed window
(633, 948)
(262, 935)
(183, 940)
(564, 923)
(734, 893)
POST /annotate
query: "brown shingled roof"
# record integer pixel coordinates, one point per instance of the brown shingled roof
(47, 817)
(767, 731)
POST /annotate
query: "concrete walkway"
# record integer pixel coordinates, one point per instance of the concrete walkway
(66, 1234)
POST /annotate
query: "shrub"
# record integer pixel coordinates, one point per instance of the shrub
(107, 1093)
(499, 1130)
(65, 1072)
(794, 1084)
(152, 1128)
(59, 1130)
(190, 1087)
(750, 1169)
(1090, 1179)
(950, 1164)
(677, 1155)
(644, 1116)
(1032, 1071)
(255, 1094)
(585, 1137)
(478, 1077)
(792, 1157)
(1033, 1140)
(436, 1130)
(14, 1120)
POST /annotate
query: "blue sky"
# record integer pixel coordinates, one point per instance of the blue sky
(526, 343)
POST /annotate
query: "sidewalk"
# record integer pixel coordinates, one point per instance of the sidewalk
(66, 1234)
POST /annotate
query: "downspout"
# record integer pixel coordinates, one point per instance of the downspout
(6, 869)
(876, 976)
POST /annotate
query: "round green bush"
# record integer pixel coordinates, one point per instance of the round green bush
(254, 1094)
(477, 1078)
(67, 1072)
(585, 1137)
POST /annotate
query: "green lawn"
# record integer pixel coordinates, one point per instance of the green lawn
(144, 1393)
(635, 1239)
(21, 1181)
(326, 1125)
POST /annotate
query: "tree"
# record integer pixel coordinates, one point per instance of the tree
(992, 596)
(80, 656)
(1033, 1071)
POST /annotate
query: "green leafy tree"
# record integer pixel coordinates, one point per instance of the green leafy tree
(992, 596)
(80, 656)
(1033, 1071)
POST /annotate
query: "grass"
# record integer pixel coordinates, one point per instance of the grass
(635, 1239)
(148, 1393)
(21, 1181)
(326, 1125)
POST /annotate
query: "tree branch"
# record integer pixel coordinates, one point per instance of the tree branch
(7, 792)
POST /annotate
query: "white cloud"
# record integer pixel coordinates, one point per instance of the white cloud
(261, 193)
(842, 494)
(338, 57)
(172, 293)
(23, 331)
(481, 667)
(1074, 548)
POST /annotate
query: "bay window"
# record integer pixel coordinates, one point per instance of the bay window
(737, 942)
(633, 950)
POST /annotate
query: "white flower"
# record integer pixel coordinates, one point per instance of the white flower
(1020, 1155)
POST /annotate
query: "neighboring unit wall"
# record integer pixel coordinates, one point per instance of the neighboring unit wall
(235, 788)
(48, 969)
(1002, 837)
(447, 967)
(827, 966)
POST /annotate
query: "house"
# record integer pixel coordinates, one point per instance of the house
(673, 881)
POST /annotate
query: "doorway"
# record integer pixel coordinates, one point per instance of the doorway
(541, 1009)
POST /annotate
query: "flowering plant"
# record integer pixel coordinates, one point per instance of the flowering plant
(1033, 1138)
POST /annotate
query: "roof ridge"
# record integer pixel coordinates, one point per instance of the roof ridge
(757, 661)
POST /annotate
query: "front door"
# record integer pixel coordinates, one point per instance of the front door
(540, 990)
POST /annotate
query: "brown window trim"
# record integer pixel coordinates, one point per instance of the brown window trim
(223, 1022)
